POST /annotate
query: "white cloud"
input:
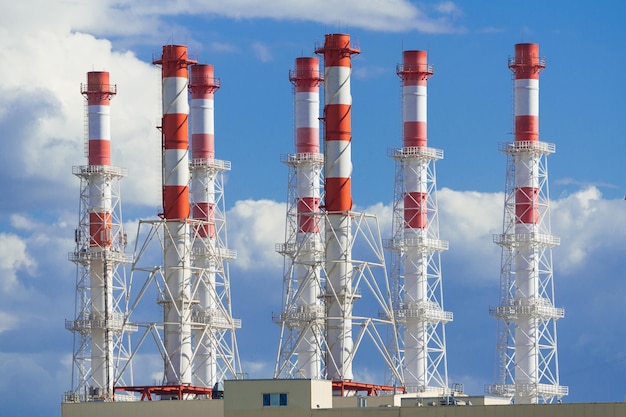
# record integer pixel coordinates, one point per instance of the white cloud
(262, 51)
(587, 225)
(449, 8)
(43, 112)
(468, 220)
(383, 214)
(223, 47)
(254, 229)
(7, 321)
(258, 369)
(388, 15)
(585, 222)
(15, 259)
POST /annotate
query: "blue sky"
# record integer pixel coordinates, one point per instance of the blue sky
(253, 44)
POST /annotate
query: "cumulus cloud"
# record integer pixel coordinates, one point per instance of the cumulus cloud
(383, 215)
(42, 113)
(584, 221)
(15, 259)
(254, 229)
(586, 224)
(468, 220)
(388, 15)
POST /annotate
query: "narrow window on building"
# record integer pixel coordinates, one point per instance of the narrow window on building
(275, 400)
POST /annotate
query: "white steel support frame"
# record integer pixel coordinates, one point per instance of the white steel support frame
(521, 248)
(346, 236)
(416, 260)
(305, 268)
(153, 238)
(527, 362)
(302, 321)
(373, 316)
(215, 343)
(373, 321)
(101, 305)
(216, 356)
(214, 327)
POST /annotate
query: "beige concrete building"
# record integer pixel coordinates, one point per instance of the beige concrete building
(313, 398)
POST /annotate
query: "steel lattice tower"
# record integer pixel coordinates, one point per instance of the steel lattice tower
(323, 279)
(101, 332)
(416, 267)
(302, 319)
(217, 355)
(527, 361)
(196, 337)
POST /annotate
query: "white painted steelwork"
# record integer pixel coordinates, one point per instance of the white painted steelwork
(100, 327)
(527, 360)
(339, 295)
(184, 255)
(216, 354)
(176, 300)
(301, 322)
(347, 234)
(415, 245)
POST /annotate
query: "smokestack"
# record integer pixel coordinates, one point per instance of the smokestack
(337, 53)
(526, 68)
(416, 246)
(216, 356)
(100, 320)
(299, 350)
(306, 80)
(203, 87)
(99, 93)
(176, 210)
(526, 350)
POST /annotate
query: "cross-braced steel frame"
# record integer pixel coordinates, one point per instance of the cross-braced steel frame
(211, 322)
(105, 264)
(422, 320)
(370, 286)
(518, 249)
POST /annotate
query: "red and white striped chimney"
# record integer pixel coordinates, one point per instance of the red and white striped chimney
(337, 52)
(526, 67)
(306, 79)
(415, 73)
(176, 209)
(99, 92)
(174, 65)
(203, 87)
